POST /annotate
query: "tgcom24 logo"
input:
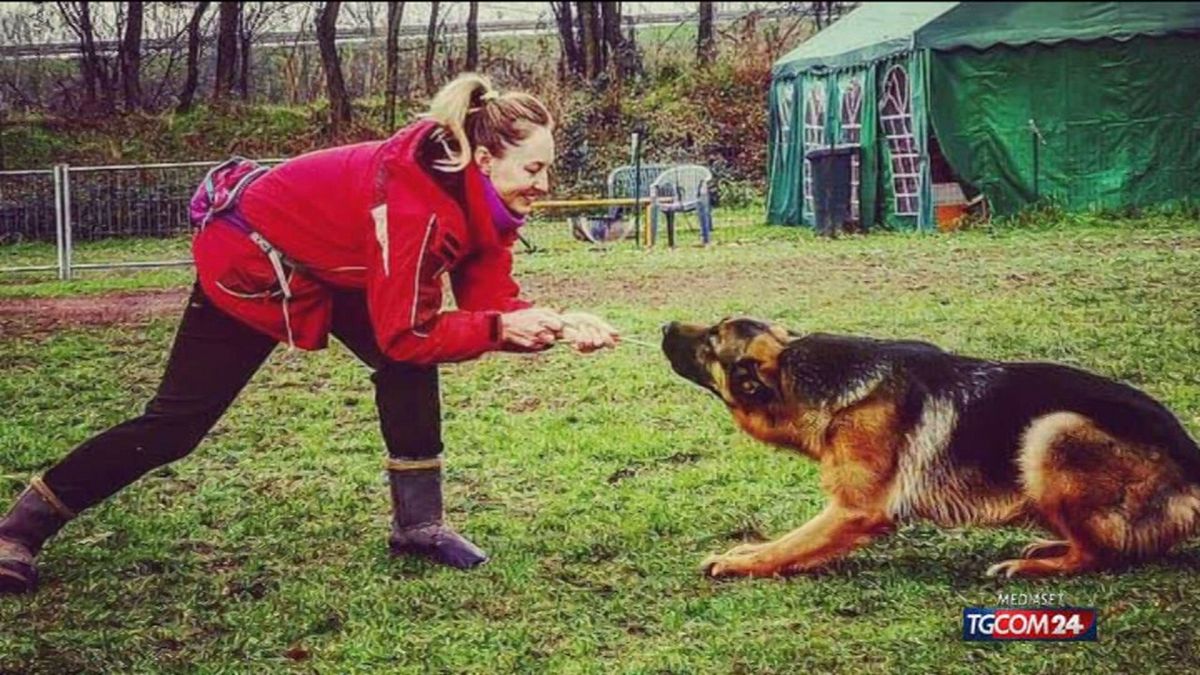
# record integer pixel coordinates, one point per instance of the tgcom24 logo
(1029, 623)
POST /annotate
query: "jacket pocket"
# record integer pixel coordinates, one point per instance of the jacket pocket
(236, 265)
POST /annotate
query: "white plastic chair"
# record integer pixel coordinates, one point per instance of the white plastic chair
(681, 189)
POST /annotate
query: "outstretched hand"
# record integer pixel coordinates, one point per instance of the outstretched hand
(533, 328)
(587, 333)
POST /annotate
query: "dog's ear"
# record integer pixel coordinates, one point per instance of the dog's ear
(754, 382)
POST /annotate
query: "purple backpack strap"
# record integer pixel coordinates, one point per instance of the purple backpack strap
(219, 191)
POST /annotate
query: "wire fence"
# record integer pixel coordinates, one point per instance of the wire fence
(71, 218)
(73, 205)
(27, 204)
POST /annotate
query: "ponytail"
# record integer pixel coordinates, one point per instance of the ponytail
(475, 114)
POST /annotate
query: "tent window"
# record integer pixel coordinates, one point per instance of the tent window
(851, 118)
(896, 116)
(783, 109)
(814, 137)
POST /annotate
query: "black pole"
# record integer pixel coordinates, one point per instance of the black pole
(529, 248)
(1037, 196)
(1035, 136)
(2, 120)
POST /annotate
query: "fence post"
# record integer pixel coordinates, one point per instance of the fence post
(69, 242)
(59, 229)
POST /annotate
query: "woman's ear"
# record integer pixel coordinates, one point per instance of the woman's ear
(484, 159)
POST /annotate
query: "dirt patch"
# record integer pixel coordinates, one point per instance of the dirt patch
(31, 317)
(35, 317)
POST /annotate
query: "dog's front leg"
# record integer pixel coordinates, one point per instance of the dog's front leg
(835, 532)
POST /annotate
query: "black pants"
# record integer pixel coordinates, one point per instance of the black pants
(213, 358)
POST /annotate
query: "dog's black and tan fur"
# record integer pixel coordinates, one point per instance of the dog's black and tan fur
(905, 430)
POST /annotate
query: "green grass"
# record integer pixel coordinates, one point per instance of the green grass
(597, 483)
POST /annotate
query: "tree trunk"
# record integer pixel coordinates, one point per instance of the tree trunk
(335, 86)
(130, 56)
(227, 49)
(473, 36)
(610, 21)
(2, 120)
(431, 47)
(78, 16)
(566, 35)
(105, 79)
(193, 59)
(590, 35)
(395, 16)
(704, 37)
(245, 36)
(88, 62)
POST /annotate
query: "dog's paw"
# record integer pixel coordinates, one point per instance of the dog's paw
(746, 549)
(711, 566)
(1045, 548)
(722, 565)
(1007, 569)
(731, 564)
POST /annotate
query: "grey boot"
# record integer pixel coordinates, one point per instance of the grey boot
(417, 527)
(35, 517)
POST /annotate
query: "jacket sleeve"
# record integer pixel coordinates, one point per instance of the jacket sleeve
(404, 300)
(484, 282)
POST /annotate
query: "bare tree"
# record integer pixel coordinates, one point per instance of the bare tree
(130, 56)
(164, 46)
(295, 64)
(590, 36)
(363, 14)
(705, 47)
(614, 42)
(245, 35)
(188, 94)
(820, 13)
(253, 17)
(572, 54)
(431, 47)
(227, 48)
(96, 83)
(335, 86)
(395, 16)
(3, 119)
(473, 36)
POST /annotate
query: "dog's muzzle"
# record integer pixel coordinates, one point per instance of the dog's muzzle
(681, 344)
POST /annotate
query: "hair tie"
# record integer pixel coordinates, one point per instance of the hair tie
(489, 95)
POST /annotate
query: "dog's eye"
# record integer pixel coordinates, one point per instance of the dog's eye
(750, 387)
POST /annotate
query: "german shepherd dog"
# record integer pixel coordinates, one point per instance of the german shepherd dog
(904, 430)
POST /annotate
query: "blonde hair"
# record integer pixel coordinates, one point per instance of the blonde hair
(476, 114)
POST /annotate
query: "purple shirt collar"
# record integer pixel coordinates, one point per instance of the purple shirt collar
(502, 217)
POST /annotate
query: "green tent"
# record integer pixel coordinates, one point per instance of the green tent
(1093, 104)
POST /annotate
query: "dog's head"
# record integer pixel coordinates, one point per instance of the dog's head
(736, 359)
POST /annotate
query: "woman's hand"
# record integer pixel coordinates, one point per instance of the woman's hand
(533, 328)
(587, 333)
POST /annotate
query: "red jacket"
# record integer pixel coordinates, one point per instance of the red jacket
(366, 216)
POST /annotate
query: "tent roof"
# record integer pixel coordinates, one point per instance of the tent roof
(877, 30)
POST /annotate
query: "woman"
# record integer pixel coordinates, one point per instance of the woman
(355, 242)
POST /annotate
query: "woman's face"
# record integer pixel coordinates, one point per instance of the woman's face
(520, 176)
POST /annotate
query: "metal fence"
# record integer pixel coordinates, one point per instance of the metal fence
(69, 204)
(130, 205)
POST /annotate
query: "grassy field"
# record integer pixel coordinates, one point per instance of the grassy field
(597, 483)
